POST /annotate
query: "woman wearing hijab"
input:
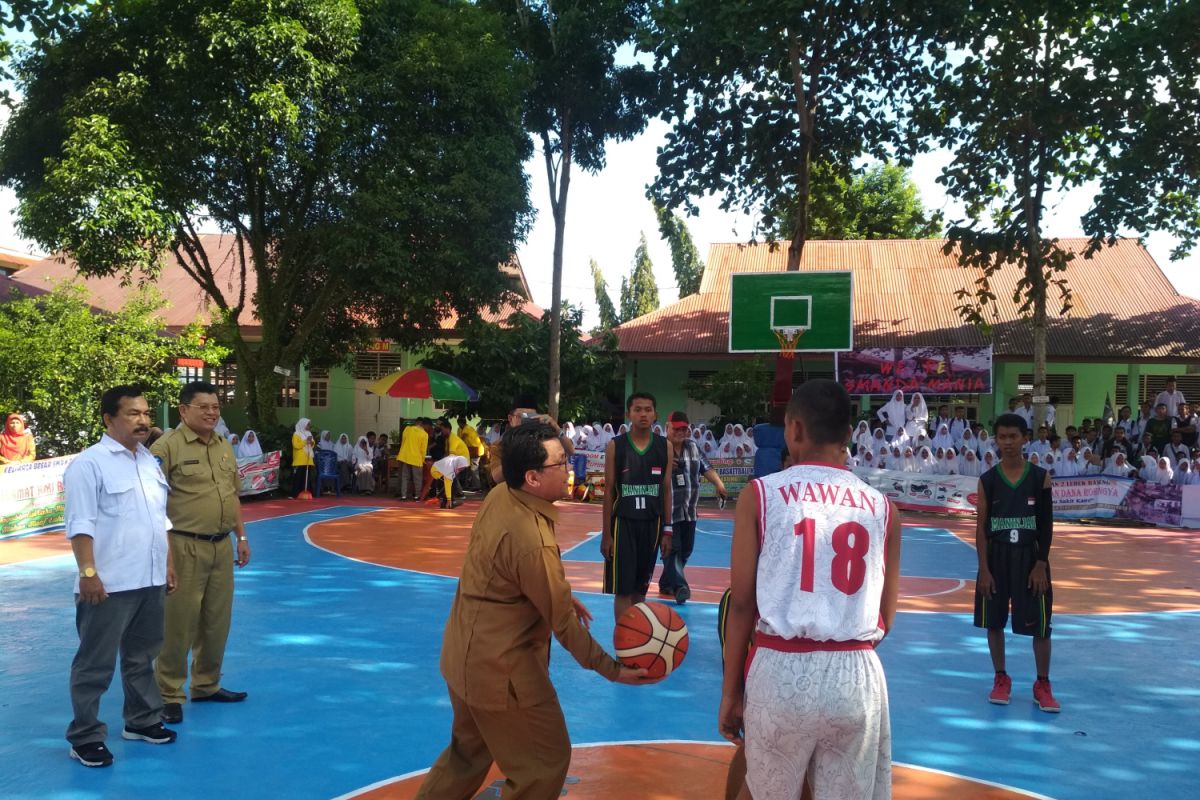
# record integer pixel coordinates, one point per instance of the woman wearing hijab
(861, 437)
(304, 472)
(867, 460)
(848, 458)
(893, 413)
(917, 414)
(910, 460)
(345, 458)
(608, 435)
(1165, 474)
(1183, 473)
(943, 439)
(950, 463)
(968, 442)
(727, 436)
(1049, 462)
(326, 441)
(983, 442)
(1034, 459)
(926, 463)
(970, 465)
(749, 443)
(250, 447)
(989, 461)
(16, 443)
(234, 441)
(1117, 466)
(1069, 466)
(1149, 470)
(361, 459)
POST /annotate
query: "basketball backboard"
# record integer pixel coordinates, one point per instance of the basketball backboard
(766, 307)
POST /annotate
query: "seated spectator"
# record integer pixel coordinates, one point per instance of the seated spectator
(1183, 473)
(345, 458)
(234, 441)
(1188, 423)
(249, 447)
(16, 443)
(363, 461)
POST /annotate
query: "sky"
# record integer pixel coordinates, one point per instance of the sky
(608, 212)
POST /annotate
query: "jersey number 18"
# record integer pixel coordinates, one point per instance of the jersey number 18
(850, 542)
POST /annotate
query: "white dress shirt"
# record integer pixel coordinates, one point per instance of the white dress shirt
(1172, 400)
(119, 498)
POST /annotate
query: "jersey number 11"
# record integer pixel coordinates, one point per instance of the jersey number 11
(850, 542)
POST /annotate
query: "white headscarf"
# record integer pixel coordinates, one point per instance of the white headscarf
(1183, 473)
(451, 465)
(970, 465)
(950, 463)
(1068, 467)
(657, 429)
(343, 448)
(1149, 470)
(1033, 459)
(943, 439)
(305, 433)
(893, 413)
(984, 442)
(989, 460)
(1165, 473)
(607, 434)
(249, 446)
(910, 461)
(968, 441)
(917, 410)
(568, 430)
(926, 464)
(867, 460)
(326, 442)
(1117, 465)
(862, 436)
(362, 453)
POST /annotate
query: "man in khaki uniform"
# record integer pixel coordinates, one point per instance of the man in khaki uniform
(522, 411)
(495, 654)
(205, 517)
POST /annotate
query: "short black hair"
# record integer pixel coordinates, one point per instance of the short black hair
(190, 390)
(370, 433)
(1012, 421)
(824, 406)
(523, 401)
(444, 423)
(110, 401)
(641, 396)
(522, 448)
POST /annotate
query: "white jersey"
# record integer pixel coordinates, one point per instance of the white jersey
(821, 562)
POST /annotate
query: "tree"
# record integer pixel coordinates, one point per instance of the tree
(495, 360)
(758, 92)
(608, 313)
(881, 202)
(60, 354)
(41, 18)
(365, 158)
(579, 99)
(639, 293)
(741, 391)
(1018, 111)
(685, 258)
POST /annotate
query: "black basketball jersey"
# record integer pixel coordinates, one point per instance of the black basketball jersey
(639, 477)
(1012, 507)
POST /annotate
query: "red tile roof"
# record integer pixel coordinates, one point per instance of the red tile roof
(187, 303)
(1124, 306)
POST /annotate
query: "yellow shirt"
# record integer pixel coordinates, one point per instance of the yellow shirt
(203, 479)
(457, 447)
(414, 443)
(511, 596)
(471, 437)
(300, 455)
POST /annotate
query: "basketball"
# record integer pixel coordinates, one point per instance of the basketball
(651, 636)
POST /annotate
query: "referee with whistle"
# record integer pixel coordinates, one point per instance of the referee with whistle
(207, 538)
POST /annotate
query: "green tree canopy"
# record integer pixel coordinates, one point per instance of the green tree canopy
(608, 313)
(639, 293)
(685, 258)
(741, 391)
(496, 361)
(365, 157)
(60, 354)
(881, 202)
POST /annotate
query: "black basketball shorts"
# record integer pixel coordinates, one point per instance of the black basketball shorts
(1010, 565)
(634, 554)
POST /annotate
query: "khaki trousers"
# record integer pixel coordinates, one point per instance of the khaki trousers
(197, 618)
(529, 745)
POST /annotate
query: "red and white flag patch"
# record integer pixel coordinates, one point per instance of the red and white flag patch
(656, 472)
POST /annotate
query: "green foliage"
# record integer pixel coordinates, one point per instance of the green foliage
(759, 91)
(40, 19)
(608, 313)
(364, 158)
(502, 361)
(685, 258)
(883, 202)
(59, 356)
(639, 292)
(742, 391)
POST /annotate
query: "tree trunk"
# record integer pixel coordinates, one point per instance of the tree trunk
(800, 220)
(558, 202)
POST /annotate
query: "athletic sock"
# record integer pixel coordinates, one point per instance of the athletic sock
(1001, 673)
(1043, 677)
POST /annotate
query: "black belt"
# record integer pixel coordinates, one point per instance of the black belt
(204, 537)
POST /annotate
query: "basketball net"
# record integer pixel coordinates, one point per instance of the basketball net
(788, 339)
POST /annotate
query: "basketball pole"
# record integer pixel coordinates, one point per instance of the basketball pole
(785, 366)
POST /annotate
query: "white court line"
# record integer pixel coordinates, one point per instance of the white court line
(634, 742)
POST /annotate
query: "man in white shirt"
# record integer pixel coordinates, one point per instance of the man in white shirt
(1025, 410)
(1172, 398)
(116, 520)
(1041, 445)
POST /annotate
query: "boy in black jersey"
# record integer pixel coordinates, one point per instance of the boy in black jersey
(637, 505)
(1014, 525)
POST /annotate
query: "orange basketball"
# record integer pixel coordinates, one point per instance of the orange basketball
(651, 636)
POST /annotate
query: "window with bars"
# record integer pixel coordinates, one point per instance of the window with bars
(372, 366)
(1060, 386)
(289, 391)
(1151, 385)
(224, 378)
(318, 388)
(1121, 397)
(189, 374)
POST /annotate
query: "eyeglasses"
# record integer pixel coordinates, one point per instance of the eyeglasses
(202, 409)
(556, 464)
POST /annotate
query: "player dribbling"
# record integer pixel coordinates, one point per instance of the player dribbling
(816, 552)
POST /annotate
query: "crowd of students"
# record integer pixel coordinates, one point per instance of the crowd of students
(1158, 444)
(736, 442)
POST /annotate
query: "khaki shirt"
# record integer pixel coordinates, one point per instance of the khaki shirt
(512, 595)
(203, 479)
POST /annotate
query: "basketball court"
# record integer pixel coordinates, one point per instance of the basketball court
(337, 627)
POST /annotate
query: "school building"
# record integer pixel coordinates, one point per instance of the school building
(334, 399)
(1127, 330)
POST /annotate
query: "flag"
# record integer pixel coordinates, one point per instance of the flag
(1108, 412)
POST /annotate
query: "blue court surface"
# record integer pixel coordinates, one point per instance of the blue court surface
(340, 660)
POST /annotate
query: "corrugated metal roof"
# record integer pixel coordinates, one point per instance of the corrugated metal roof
(904, 295)
(187, 303)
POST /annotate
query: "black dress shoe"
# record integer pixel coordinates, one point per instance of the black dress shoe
(221, 696)
(172, 713)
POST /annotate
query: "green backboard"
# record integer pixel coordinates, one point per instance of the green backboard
(815, 304)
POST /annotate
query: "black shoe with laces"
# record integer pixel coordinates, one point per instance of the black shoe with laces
(154, 734)
(682, 595)
(92, 754)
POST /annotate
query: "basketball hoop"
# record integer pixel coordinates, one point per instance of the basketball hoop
(788, 338)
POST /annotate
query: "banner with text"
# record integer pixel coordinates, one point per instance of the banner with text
(916, 492)
(258, 475)
(1089, 496)
(929, 370)
(735, 474)
(31, 496)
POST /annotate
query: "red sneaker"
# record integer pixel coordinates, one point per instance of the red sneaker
(1044, 697)
(1001, 690)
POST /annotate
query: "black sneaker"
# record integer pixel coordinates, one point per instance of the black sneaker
(92, 754)
(155, 734)
(682, 595)
(172, 713)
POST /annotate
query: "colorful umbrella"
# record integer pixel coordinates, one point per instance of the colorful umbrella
(421, 383)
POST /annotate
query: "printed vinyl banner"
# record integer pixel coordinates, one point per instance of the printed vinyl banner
(1089, 496)
(915, 492)
(735, 474)
(31, 496)
(1154, 503)
(929, 370)
(258, 475)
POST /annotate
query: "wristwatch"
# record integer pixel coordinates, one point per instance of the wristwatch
(87, 572)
